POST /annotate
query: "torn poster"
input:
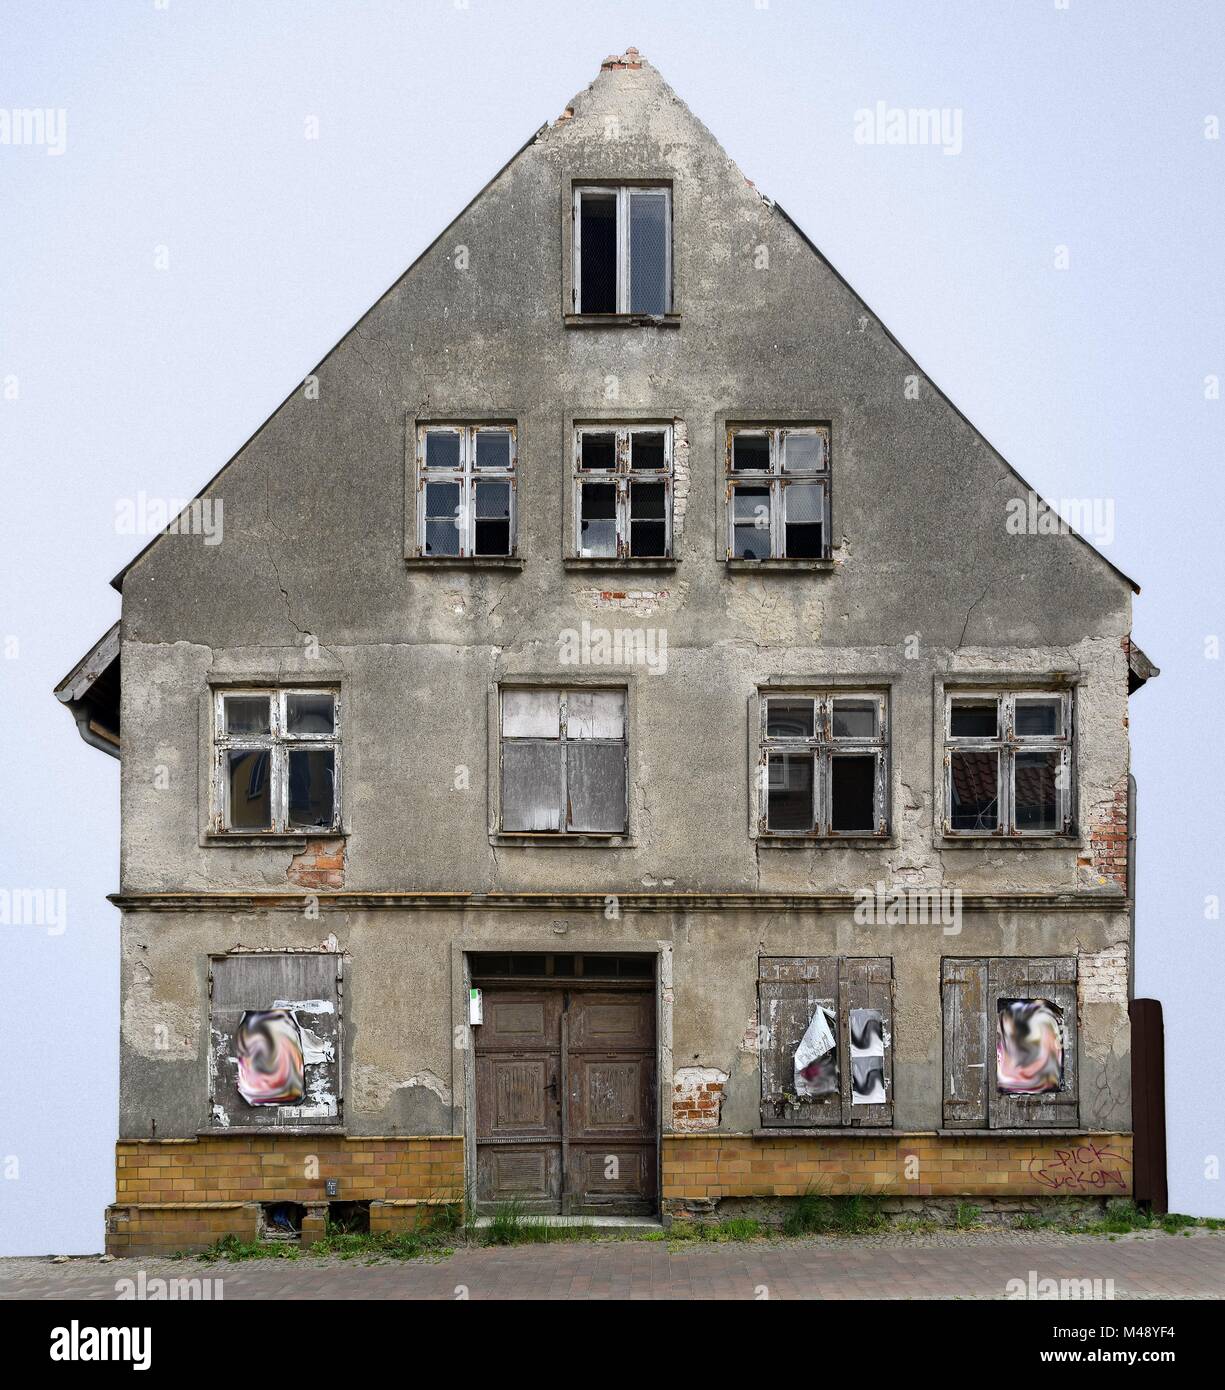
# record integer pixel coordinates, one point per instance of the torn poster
(270, 1061)
(816, 1058)
(867, 1057)
(1029, 1047)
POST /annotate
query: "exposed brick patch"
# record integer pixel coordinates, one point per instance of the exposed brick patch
(1101, 976)
(617, 62)
(1107, 858)
(697, 1098)
(320, 865)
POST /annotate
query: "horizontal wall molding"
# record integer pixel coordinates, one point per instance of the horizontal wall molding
(595, 902)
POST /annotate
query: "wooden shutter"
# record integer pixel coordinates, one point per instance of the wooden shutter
(307, 983)
(790, 990)
(1053, 979)
(968, 1066)
(865, 983)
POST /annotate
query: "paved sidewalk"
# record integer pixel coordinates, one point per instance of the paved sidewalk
(944, 1265)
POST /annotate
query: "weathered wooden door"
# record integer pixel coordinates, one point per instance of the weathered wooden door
(565, 1099)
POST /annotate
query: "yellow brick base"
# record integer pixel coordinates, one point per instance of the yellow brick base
(702, 1166)
(185, 1194)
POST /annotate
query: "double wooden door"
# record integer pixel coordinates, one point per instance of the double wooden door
(566, 1099)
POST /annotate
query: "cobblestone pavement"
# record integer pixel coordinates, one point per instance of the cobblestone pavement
(943, 1265)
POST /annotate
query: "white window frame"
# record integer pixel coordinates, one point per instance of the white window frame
(1006, 745)
(277, 742)
(623, 194)
(467, 475)
(822, 746)
(778, 479)
(622, 476)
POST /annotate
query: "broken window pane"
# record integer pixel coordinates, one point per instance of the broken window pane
(648, 253)
(974, 719)
(493, 449)
(855, 718)
(598, 451)
(250, 791)
(246, 714)
(1037, 718)
(310, 713)
(647, 450)
(789, 800)
(492, 518)
(804, 453)
(1035, 791)
(1029, 1047)
(441, 449)
(598, 522)
(598, 253)
(790, 718)
(750, 451)
(595, 714)
(312, 787)
(442, 527)
(531, 714)
(751, 523)
(805, 516)
(974, 790)
(853, 792)
(596, 787)
(648, 527)
(532, 786)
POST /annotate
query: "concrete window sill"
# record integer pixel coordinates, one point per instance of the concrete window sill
(551, 841)
(612, 565)
(621, 320)
(780, 566)
(463, 562)
(250, 1131)
(279, 838)
(1009, 842)
(825, 841)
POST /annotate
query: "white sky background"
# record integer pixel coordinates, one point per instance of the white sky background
(1082, 127)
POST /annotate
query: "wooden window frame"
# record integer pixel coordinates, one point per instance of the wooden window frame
(277, 742)
(823, 747)
(623, 192)
(622, 476)
(1006, 744)
(563, 692)
(466, 476)
(777, 478)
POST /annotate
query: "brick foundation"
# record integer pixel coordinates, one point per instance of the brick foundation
(697, 1167)
(185, 1194)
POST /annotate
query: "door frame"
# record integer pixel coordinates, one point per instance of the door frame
(463, 1052)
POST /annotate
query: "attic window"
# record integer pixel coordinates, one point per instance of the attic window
(623, 250)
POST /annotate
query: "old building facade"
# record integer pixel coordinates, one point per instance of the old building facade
(619, 641)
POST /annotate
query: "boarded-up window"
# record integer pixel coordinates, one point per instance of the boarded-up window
(563, 762)
(1010, 1035)
(849, 1084)
(275, 1036)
